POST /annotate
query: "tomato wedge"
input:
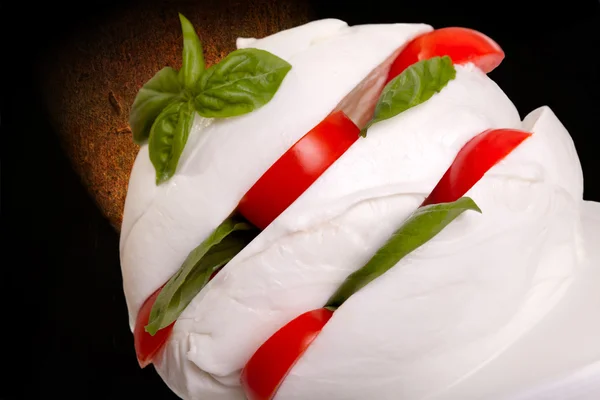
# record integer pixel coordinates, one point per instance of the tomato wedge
(462, 45)
(473, 160)
(298, 168)
(146, 345)
(270, 364)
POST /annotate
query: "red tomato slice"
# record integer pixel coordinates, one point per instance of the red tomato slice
(270, 364)
(298, 168)
(462, 45)
(146, 345)
(472, 161)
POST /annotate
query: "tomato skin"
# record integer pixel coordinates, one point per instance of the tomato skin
(270, 364)
(473, 160)
(298, 168)
(146, 345)
(462, 45)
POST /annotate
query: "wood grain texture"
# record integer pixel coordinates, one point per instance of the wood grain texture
(90, 80)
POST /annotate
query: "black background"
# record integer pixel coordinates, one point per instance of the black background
(64, 318)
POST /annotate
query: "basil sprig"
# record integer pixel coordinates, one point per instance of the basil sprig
(415, 85)
(217, 250)
(164, 108)
(425, 223)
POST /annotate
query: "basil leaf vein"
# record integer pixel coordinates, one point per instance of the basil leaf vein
(161, 90)
(415, 85)
(193, 58)
(217, 250)
(243, 81)
(425, 223)
(168, 137)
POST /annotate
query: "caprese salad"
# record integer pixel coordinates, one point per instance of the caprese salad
(328, 166)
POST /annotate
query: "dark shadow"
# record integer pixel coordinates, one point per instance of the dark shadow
(67, 328)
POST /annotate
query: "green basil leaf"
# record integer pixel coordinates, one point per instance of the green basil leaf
(217, 250)
(418, 229)
(193, 57)
(243, 81)
(162, 89)
(415, 85)
(168, 137)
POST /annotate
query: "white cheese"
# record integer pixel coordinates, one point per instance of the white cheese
(431, 322)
